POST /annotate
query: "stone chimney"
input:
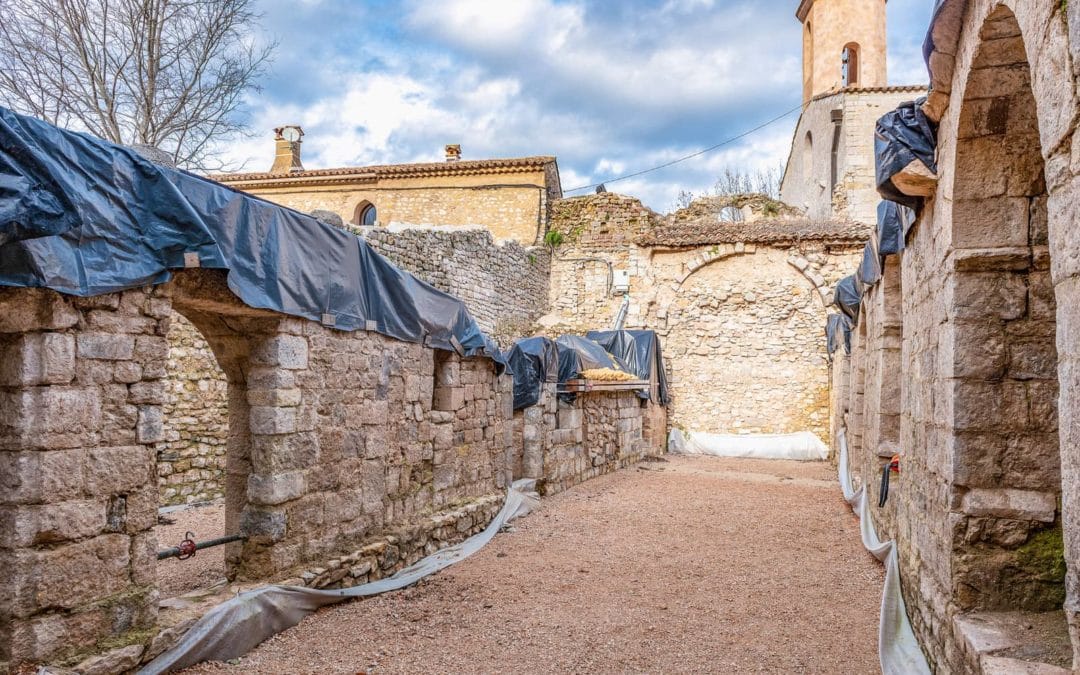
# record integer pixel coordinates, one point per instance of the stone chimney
(453, 153)
(287, 149)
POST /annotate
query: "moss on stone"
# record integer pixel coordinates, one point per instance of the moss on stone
(1043, 555)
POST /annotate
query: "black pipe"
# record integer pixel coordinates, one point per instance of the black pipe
(188, 551)
(884, 495)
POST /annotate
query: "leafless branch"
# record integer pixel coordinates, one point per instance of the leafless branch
(168, 73)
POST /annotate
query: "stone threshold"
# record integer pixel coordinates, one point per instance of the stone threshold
(1015, 643)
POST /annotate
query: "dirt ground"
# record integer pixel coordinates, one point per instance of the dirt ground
(689, 565)
(176, 577)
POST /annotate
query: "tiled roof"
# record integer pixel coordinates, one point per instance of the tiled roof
(421, 170)
(709, 231)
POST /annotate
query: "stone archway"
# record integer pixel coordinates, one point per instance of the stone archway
(743, 339)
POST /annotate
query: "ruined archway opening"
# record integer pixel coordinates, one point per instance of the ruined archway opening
(192, 458)
(1006, 523)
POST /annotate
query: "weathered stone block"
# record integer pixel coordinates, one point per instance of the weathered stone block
(151, 425)
(449, 398)
(76, 574)
(262, 527)
(274, 489)
(272, 420)
(1014, 504)
(115, 470)
(106, 346)
(25, 526)
(286, 351)
(31, 309)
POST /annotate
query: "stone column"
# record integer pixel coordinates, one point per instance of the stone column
(80, 410)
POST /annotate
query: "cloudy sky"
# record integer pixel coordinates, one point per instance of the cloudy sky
(607, 86)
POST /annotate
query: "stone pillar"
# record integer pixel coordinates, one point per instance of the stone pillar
(80, 410)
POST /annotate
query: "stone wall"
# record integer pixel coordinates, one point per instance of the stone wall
(335, 438)
(191, 459)
(564, 443)
(808, 177)
(985, 508)
(505, 286)
(727, 313)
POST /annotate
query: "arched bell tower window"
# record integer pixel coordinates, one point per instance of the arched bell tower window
(365, 214)
(850, 65)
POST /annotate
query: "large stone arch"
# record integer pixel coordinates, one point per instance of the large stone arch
(987, 333)
(758, 318)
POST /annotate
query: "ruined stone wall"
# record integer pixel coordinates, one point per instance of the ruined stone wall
(988, 286)
(191, 459)
(727, 314)
(564, 443)
(505, 286)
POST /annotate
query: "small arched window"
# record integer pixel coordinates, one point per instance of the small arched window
(365, 214)
(850, 65)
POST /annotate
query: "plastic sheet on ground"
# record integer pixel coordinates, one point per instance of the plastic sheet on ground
(901, 137)
(237, 626)
(532, 361)
(898, 649)
(640, 351)
(86, 217)
(894, 221)
(803, 445)
(848, 298)
(838, 333)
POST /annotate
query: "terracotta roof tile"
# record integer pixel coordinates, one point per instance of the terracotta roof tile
(707, 232)
(425, 169)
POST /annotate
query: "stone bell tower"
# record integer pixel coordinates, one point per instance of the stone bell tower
(843, 45)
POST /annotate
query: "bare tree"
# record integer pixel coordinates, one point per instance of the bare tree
(167, 73)
(737, 182)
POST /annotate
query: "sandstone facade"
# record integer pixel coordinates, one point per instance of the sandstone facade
(830, 26)
(508, 197)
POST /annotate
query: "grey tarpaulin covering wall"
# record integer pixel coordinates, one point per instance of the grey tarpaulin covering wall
(533, 361)
(898, 649)
(237, 626)
(577, 354)
(85, 217)
(848, 298)
(640, 350)
(869, 272)
(838, 334)
(894, 221)
(902, 136)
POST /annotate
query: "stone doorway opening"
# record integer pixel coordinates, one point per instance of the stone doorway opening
(191, 460)
(1007, 553)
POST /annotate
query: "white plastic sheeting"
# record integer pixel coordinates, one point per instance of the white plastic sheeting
(235, 627)
(898, 649)
(801, 446)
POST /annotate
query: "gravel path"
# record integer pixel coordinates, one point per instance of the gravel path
(689, 565)
(176, 577)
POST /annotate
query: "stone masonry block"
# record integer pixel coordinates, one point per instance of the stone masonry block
(77, 574)
(272, 420)
(38, 358)
(151, 424)
(26, 526)
(117, 470)
(1012, 504)
(106, 346)
(274, 489)
(449, 399)
(286, 351)
(32, 309)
